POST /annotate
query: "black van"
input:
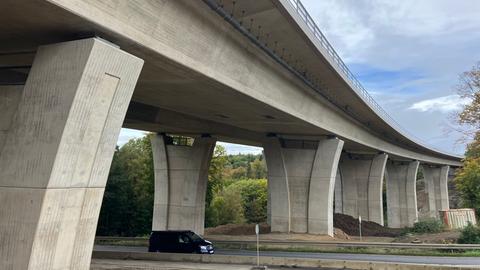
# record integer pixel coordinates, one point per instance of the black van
(179, 242)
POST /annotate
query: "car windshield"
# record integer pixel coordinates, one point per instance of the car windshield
(194, 237)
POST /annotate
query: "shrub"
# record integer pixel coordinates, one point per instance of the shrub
(427, 226)
(469, 235)
(254, 199)
(226, 207)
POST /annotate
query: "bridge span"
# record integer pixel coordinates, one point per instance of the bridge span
(72, 73)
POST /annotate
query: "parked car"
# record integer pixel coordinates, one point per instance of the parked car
(179, 242)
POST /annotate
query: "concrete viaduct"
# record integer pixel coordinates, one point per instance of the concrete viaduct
(72, 73)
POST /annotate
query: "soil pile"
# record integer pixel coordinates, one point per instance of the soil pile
(237, 229)
(349, 225)
(339, 234)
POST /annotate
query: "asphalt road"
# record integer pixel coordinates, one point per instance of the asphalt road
(467, 261)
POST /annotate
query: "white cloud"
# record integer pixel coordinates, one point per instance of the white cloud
(127, 134)
(426, 43)
(233, 149)
(442, 104)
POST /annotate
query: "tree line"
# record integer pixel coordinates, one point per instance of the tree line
(237, 185)
(236, 190)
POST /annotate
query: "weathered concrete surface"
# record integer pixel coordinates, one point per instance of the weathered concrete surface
(106, 264)
(181, 175)
(280, 261)
(301, 185)
(57, 152)
(401, 193)
(436, 186)
(10, 96)
(359, 186)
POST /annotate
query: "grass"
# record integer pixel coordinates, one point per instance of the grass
(379, 251)
(131, 243)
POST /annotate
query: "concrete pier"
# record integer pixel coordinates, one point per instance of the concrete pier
(59, 138)
(181, 176)
(401, 193)
(301, 184)
(436, 186)
(359, 186)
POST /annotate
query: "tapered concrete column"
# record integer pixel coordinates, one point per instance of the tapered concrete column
(401, 180)
(361, 186)
(278, 189)
(10, 96)
(301, 185)
(181, 176)
(436, 185)
(338, 207)
(57, 153)
(322, 186)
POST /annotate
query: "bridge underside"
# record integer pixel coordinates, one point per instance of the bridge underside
(195, 89)
(64, 97)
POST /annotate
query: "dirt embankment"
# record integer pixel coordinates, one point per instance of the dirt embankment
(350, 226)
(237, 229)
(345, 226)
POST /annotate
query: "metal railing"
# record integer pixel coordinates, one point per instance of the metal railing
(357, 86)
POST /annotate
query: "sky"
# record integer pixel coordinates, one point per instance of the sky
(408, 54)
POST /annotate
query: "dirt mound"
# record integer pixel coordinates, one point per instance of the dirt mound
(339, 234)
(237, 229)
(349, 225)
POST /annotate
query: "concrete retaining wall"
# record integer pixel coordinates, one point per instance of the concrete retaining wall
(271, 261)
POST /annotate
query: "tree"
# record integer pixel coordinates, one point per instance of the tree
(254, 199)
(226, 207)
(469, 88)
(468, 183)
(216, 172)
(258, 169)
(467, 180)
(128, 202)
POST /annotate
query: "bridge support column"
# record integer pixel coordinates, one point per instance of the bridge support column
(57, 152)
(181, 176)
(401, 180)
(10, 96)
(436, 185)
(361, 183)
(301, 184)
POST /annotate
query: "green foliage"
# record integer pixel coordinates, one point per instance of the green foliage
(258, 169)
(427, 226)
(246, 166)
(469, 235)
(254, 198)
(467, 182)
(128, 200)
(244, 177)
(238, 202)
(226, 207)
(473, 148)
(216, 173)
(231, 196)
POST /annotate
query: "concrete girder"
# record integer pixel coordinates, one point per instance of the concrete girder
(181, 176)
(359, 187)
(301, 185)
(401, 193)
(57, 151)
(436, 185)
(217, 70)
